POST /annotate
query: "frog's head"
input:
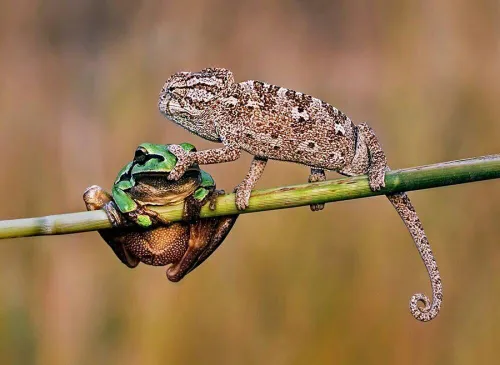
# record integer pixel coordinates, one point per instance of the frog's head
(151, 158)
(145, 180)
(185, 95)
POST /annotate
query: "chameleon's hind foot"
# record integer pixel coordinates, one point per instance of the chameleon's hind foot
(315, 176)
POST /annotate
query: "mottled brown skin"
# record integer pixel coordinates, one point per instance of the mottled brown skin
(272, 122)
(183, 245)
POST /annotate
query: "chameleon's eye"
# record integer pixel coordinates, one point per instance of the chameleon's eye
(140, 155)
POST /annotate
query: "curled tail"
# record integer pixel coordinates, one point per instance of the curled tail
(405, 209)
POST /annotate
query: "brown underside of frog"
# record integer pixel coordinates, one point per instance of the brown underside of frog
(185, 245)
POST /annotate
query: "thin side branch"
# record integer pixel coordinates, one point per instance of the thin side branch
(422, 177)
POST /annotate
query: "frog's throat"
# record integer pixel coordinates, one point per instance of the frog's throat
(169, 199)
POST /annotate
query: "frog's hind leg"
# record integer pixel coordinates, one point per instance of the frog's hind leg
(222, 226)
(96, 198)
(205, 237)
(200, 234)
(222, 229)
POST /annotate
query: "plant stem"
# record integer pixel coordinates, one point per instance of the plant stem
(422, 177)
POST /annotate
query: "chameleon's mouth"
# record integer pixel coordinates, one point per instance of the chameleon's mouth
(163, 103)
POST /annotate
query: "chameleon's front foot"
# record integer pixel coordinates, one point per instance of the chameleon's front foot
(242, 192)
(184, 161)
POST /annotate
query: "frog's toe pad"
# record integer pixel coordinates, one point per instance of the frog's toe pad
(144, 220)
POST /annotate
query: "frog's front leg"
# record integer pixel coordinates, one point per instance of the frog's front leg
(96, 198)
(205, 236)
(135, 212)
(199, 236)
(145, 217)
(222, 228)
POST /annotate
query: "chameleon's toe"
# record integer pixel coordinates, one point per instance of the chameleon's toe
(242, 197)
(376, 186)
(376, 181)
(177, 172)
(317, 175)
(317, 207)
(183, 162)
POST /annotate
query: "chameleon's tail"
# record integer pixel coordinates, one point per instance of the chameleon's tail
(405, 209)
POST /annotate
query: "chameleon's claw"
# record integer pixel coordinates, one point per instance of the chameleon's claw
(317, 207)
(184, 161)
(316, 176)
(376, 180)
(242, 196)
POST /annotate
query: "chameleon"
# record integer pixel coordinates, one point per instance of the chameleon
(273, 122)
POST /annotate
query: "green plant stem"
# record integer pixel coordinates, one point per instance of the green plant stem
(422, 177)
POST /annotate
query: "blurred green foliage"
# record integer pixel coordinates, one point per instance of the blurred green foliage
(79, 84)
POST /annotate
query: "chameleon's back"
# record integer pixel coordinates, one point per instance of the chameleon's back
(283, 124)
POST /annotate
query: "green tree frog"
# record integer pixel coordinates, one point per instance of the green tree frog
(140, 234)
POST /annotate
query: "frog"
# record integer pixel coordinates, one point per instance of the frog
(139, 234)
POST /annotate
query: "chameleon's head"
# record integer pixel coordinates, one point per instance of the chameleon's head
(186, 95)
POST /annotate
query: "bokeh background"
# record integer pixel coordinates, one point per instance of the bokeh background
(79, 86)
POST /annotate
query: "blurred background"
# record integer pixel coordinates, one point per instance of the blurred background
(79, 87)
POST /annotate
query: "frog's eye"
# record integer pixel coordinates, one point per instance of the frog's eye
(140, 155)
